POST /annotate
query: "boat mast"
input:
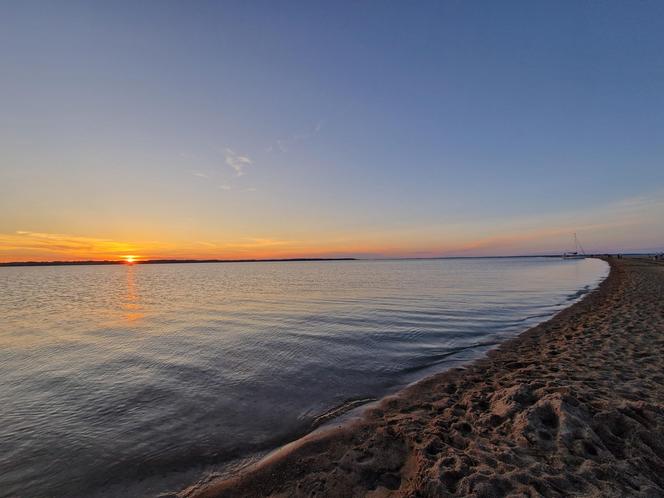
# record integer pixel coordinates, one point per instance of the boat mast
(578, 245)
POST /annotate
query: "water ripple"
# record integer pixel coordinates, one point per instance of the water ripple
(117, 378)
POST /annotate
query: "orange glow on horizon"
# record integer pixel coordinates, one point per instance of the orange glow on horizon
(525, 237)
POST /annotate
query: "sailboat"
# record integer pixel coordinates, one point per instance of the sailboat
(578, 252)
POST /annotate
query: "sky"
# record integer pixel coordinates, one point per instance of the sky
(259, 129)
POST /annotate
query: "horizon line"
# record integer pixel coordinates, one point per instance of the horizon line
(102, 262)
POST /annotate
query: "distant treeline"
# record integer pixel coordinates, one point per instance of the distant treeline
(165, 261)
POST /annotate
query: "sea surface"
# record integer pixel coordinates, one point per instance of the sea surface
(133, 380)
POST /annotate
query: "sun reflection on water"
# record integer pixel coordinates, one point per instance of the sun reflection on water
(132, 305)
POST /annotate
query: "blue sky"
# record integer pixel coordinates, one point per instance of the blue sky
(297, 128)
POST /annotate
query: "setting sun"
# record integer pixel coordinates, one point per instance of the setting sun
(130, 259)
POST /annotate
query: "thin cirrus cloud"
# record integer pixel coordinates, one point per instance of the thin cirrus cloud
(229, 187)
(256, 242)
(57, 246)
(237, 161)
(284, 144)
(37, 246)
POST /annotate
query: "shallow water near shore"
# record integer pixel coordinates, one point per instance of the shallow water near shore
(118, 376)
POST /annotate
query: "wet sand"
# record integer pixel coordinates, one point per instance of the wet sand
(574, 406)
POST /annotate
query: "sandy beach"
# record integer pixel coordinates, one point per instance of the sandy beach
(574, 406)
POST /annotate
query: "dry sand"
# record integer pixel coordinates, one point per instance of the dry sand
(574, 406)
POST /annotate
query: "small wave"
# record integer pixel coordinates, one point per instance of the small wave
(337, 411)
(584, 290)
(434, 359)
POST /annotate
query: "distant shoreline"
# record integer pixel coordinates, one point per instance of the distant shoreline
(166, 261)
(278, 260)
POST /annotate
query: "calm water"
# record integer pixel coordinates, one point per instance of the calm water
(135, 379)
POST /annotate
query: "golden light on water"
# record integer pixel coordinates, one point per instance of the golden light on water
(133, 310)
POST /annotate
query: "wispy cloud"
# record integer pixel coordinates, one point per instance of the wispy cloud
(284, 144)
(200, 174)
(26, 244)
(257, 243)
(628, 224)
(207, 244)
(37, 246)
(645, 202)
(237, 161)
(224, 187)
